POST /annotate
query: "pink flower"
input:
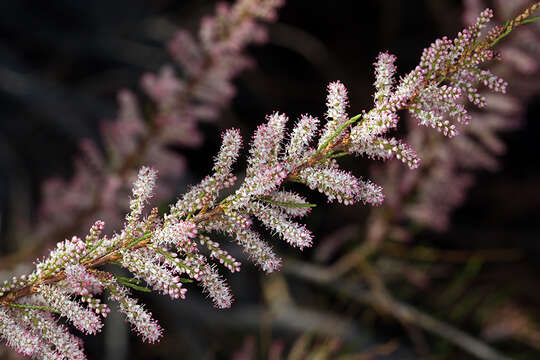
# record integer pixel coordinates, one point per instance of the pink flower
(337, 102)
(17, 337)
(83, 319)
(136, 314)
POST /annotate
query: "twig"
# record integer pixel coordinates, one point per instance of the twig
(401, 311)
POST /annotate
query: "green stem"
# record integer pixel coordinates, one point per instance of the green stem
(508, 31)
(502, 36)
(93, 248)
(136, 241)
(336, 133)
(34, 307)
(340, 154)
(279, 203)
(130, 280)
(530, 20)
(134, 286)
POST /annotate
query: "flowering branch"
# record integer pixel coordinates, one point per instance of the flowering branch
(160, 250)
(209, 64)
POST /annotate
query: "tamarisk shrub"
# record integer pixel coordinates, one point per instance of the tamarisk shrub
(163, 252)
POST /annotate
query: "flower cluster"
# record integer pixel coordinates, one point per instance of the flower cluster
(163, 252)
(141, 320)
(433, 92)
(449, 170)
(158, 252)
(455, 62)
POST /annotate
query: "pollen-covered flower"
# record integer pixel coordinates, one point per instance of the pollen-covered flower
(337, 103)
(295, 234)
(290, 203)
(219, 254)
(216, 287)
(143, 264)
(79, 281)
(16, 336)
(142, 192)
(239, 226)
(341, 186)
(384, 76)
(264, 182)
(302, 134)
(66, 252)
(140, 318)
(231, 144)
(179, 233)
(383, 149)
(52, 334)
(84, 319)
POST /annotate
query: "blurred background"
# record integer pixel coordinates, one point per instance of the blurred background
(62, 64)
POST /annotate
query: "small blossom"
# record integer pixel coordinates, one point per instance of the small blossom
(266, 143)
(383, 149)
(179, 233)
(301, 136)
(266, 181)
(79, 281)
(335, 184)
(295, 234)
(384, 75)
(490, 80)
(94, 233)
(136, 314)
(17, 337)
(142, 192)
(337, 103)
(228, 154)
(142, 263)
(66, 252)
(370, 193)
(16, 282)
(288, 197)
(216, 287)
(67, 346)
(96, 305)
(83, 319)
(376, 122)
(265, 172)
(219, 254)
(436, 121)
(259, 251)
(407, 88)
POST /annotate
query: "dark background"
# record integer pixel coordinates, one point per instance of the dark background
(62, 62)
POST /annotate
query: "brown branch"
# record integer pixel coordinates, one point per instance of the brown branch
(384, 303)
(112, 256)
